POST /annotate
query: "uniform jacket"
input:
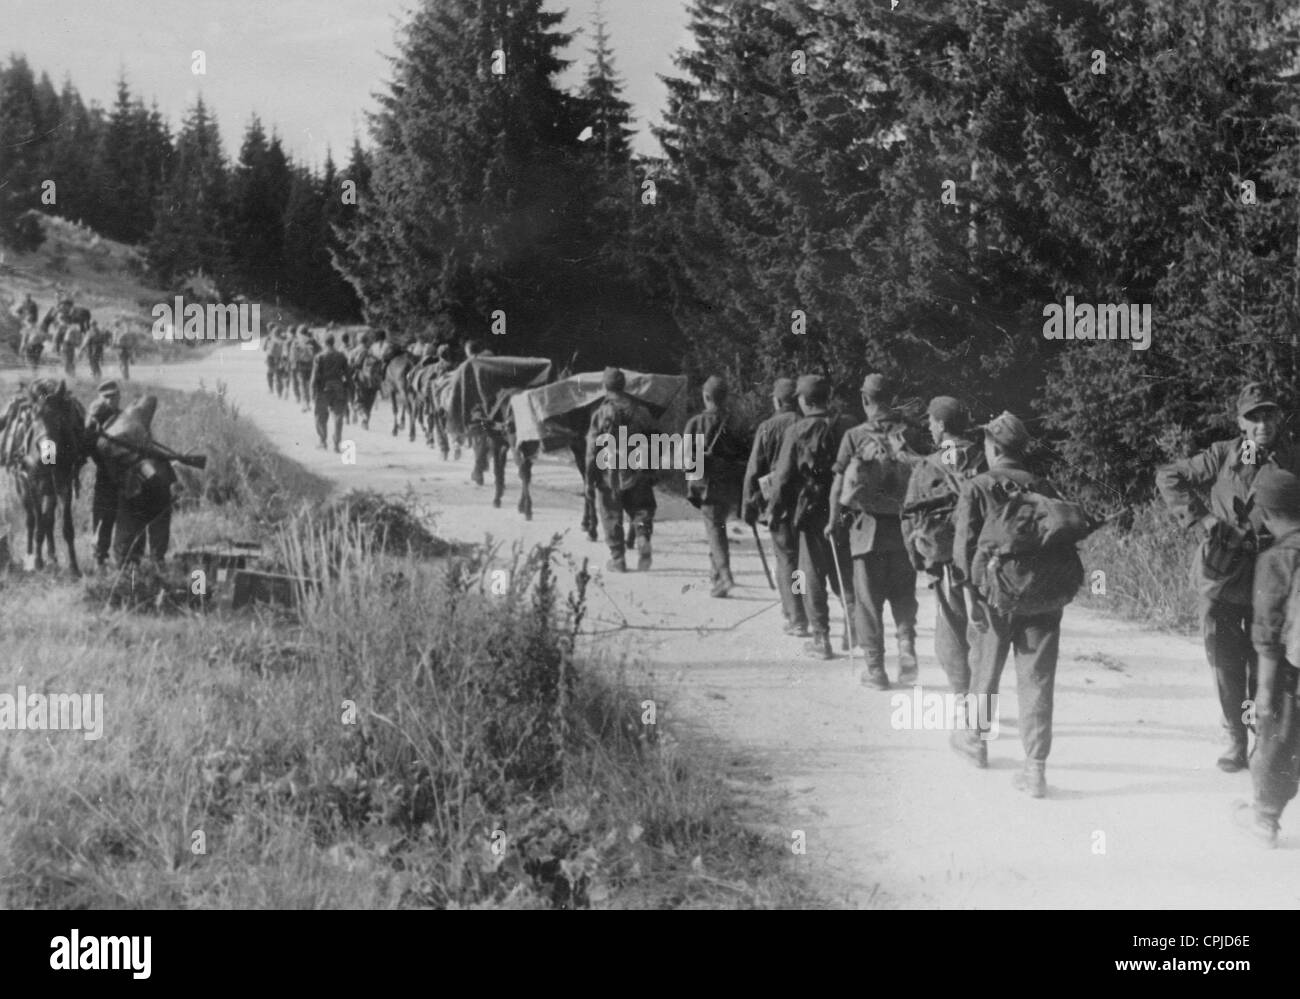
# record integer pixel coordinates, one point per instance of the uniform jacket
(932, 476)
(763, 455)
(872, 533)
(617, 410)
(974, 505)
(722, 462)
(799, 461)
(1276, 574)
(329, 366)
(1206, 485)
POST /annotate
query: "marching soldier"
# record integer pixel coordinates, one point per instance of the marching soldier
(302, 352)
(276, 350)
(716, 493)
(928, 529)
(801, 485)
(1035, 638)
(104, 500)
(785, 540)
(329, 381)
(620, 490)
(1275, 764)
(881, 568)
(93, 348)
(1214, 490)
(126, 343)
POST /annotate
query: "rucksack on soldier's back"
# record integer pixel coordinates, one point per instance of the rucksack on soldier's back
(935, 528)
(875, 480)
(1026, 559)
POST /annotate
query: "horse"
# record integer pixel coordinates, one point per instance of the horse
(396, 386)
(44, 447)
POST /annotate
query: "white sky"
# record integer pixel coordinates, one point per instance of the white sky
(307, 67)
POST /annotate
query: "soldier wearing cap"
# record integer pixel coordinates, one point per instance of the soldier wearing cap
(302, 352)
(620, 489)
(329, 382)
(801, 485)
(939, 478)
(1036, 638)
(1275, 634)
(717, 492)
(755, 498)
(882, 570)
(104, 499)
(1214, 491)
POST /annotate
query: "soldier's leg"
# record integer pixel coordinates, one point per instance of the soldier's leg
(322, 420)
(610, 508)
(1037, 642)
(901, 592)
(815, 564)
(951, 644)
(785, 544)
(500, 453)
(1225, 628)
(869, 586)
(103, 513)
(640, 504)
(991, 643)
(1275, 764)
(479, 440)
(339, 408)
(160, 523)
(129, 531)
(715, 533)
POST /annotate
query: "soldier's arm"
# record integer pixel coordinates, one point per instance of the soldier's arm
(1182, 484)
(755, 469)
(784, 476)
(968, 521)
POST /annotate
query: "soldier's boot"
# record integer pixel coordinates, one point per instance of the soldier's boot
(1234, 759)
(1261, 828)
(723, 584)
(616, 563)
(799, 629)
(907, 671)
(968, 743)
(820, 646)
(644, 556)
(1032, 779)
(874, 676)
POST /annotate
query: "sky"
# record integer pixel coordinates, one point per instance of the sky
(308, 68)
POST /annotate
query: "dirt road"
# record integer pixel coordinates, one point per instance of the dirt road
(1137, 813)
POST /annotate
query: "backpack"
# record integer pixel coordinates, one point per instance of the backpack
(875, 480)
(934, 529)
(1026, 561)
(812, 506)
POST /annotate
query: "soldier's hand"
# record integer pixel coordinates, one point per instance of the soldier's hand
(751, 514)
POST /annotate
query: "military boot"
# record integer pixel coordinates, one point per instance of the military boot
(1260, 828)
(907, 659)
(874, 676)
(723, 584)
(820, 646)
(644, 555)
(970, 745)
(1032, 779)
(1234, 759)
(616, 561)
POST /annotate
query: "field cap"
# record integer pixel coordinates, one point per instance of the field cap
(613, 380)
(715, 388)
(1007, 430)
(1255, 396)
(107, 387)
(814, 388)
(874, 386)
(950, 412)
(783, 390)
(1278, 491)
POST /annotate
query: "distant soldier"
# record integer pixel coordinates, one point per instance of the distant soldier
(302, 352)
(877, 457)
(68, 348)
(345, 348)
(1034, 636)
(801, 486)
(32, 345)
(618, 489)
(1214, 491)
(717, 492)
(93, 347)
(26, 311)
(276, 351)
(1275, 634)
(930, 507)
(329, 380)
(104, 500)
(126, 344)
(785, 540)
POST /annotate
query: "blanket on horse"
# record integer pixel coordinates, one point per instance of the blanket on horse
(558, 413)
(481, 388)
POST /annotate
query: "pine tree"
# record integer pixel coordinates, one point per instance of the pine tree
(20, 160)
(260, 191)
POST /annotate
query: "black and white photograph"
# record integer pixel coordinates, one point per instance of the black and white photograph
(651, 455)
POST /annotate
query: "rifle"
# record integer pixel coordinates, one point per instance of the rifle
(160, 451)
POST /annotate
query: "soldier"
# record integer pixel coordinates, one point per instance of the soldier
(26, 311)
(929, 509)
(801, 484)
(68, 348)
(104, 500)
(1214, 490)
(275, 351)
(32, 345)
(785, 541)
(881, 568)
(620, 490)
(93, 347)
(1036, 638)
(1275, 764)
(717, 492)
(125, 339)
(329, 381)
(302, 352)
